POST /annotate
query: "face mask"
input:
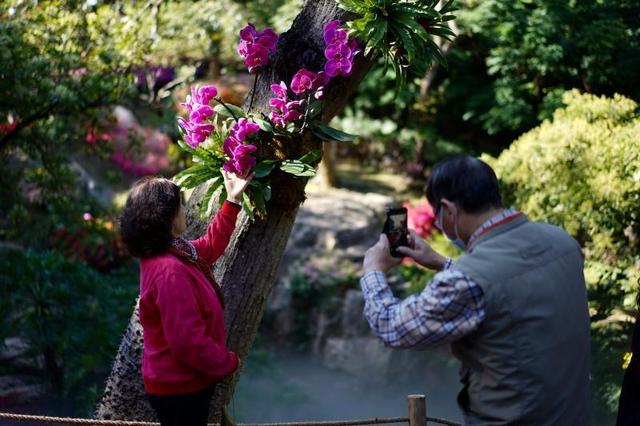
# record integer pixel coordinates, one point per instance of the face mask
(457, 241)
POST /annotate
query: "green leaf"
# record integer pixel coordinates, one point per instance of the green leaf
(314, 109)
(297, 168)
(185, 147)
(221, 110)
(264, 125)
(377, 37)
(193, 176)
(290, 127)
(206, 205)
(329, 133)
(311, 157)
(259, 191)
(263, 168)
(246, 206)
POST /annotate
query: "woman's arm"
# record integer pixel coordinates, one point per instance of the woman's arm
(214, 242)
(211, 246)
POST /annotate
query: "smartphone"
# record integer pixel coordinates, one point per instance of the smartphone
(395, 227)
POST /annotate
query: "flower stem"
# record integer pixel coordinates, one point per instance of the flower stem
(253, 91)
(221, 102)
(306, 111)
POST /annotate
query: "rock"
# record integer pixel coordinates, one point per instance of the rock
(353, 322)
(369, 359)
(17, 390)
(13, 348)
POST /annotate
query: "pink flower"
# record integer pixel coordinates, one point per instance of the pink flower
(280, 90)
(420, 217)
(240, 159)
(255, 47)
(196, 130)
(302, 81)
(332, 33)
(200, 114)
(244, 128)
(269, 39)
(339, 52)
(285, 111)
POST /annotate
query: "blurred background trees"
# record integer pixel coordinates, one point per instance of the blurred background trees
(548, 90)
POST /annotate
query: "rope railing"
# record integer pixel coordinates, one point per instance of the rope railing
(416, 418)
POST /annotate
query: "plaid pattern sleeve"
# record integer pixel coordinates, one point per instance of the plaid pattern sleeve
(450, 306)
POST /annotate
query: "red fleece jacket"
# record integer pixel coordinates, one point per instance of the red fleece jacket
(182, 319)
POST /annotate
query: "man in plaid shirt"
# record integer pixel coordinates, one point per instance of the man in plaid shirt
(513, 308)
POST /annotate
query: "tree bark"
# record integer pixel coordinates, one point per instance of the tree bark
(247, 271)
(327, 168)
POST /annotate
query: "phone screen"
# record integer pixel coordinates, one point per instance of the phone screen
(396, 229)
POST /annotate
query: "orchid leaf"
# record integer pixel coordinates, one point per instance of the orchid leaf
(312, 157)
(329, 133)
(263, 168)
(264, 125)
(297, 168)
(226, 109)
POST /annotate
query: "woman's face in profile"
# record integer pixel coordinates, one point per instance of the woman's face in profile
(179, 224)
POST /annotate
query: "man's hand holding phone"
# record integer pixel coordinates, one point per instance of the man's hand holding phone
(378, 257)
(422, 253)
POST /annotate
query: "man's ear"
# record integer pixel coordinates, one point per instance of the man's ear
(449, 204)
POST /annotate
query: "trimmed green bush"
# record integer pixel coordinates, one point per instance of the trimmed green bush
(71, 315)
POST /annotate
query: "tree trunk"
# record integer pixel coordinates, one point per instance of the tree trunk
(327, 168)
(247, 271)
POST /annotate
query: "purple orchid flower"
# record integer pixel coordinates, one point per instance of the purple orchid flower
(255, 47)
(303, 81)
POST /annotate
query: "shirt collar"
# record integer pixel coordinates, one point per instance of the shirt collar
(499, 219)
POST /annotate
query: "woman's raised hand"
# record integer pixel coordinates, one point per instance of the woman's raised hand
(235, 185)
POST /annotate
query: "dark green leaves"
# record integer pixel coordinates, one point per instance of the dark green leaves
(402, 32)
(228, 110)
(263, 168)
(327, 133)
(264, 125)
(298, 168)
(304, 166)
(195, 175)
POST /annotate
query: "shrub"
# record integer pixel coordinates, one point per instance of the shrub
(69, 314)
(581, 171)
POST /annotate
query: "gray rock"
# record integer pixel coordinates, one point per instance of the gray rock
(18, 390)
(353, 322)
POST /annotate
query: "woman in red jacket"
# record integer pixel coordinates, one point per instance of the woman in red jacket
(184, 352)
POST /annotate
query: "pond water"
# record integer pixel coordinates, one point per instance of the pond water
(292, 387)
(283, 386)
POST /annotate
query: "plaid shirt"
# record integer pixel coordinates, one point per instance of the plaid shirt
(450, 306)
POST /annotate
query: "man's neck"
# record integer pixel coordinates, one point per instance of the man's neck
(476, 221)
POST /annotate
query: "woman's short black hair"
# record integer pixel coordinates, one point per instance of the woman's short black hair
(147, 218)
(466, 181)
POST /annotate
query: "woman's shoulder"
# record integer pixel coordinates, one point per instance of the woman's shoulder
(163, 264)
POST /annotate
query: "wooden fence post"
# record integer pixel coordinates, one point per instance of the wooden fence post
(417, 410)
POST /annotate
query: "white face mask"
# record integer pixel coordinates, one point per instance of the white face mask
(457, 241)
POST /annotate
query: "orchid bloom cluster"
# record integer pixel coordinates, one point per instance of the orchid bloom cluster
(196, 129)
(255, 46)
(240, 159)
(339, 51)
(285, 111)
